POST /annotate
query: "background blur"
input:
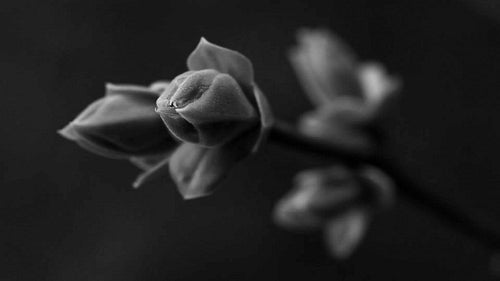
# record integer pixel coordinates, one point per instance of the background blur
(66, 214)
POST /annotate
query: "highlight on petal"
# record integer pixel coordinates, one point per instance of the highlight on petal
(378, 86)
(197, 170)
(293, 211)
(129, 89)
(211, 56)
(344, 233)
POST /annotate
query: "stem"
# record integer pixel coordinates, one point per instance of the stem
(285, 134)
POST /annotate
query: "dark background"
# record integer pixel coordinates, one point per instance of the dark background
(66, 214)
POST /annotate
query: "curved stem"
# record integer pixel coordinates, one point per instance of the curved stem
(287, 135)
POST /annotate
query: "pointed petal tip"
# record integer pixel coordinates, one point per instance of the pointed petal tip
(208, 55)
(110, 86)
(203, 41)
(67, 132)
(139, 181)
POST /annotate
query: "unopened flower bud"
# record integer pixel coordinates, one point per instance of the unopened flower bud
(206, 107)
(219, 113)
(122, 124)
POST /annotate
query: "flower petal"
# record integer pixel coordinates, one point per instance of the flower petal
(197, 170)
(159, 86)
(208, 55)
(318, 195)
(223, 100)
(206, 107)
(377, 85)
(151, 171)
(266, 116)
(148, 162)
(293, 211)
(342, 123)
(325, 66)
(380, 185)
(344, 233)
(122, 124)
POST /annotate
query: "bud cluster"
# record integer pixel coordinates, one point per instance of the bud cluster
(203, 122)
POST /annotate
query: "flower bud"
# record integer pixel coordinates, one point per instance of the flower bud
(349, 96)
(324, 197)
(219, 113)
(122, 124)
(317, 196)
(206, 107)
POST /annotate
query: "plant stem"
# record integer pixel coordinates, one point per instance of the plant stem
(287, 135)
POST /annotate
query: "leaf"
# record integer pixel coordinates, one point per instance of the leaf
(344, 233)
(210, 56)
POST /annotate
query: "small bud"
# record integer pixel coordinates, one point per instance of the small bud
(206, 107)
(122, 124)
(350, 96)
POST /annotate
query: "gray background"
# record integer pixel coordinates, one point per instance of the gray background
(66, 214)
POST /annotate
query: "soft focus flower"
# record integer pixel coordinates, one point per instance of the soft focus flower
(124, 125)
(219, 113)
(339, 200)
(348, 95)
